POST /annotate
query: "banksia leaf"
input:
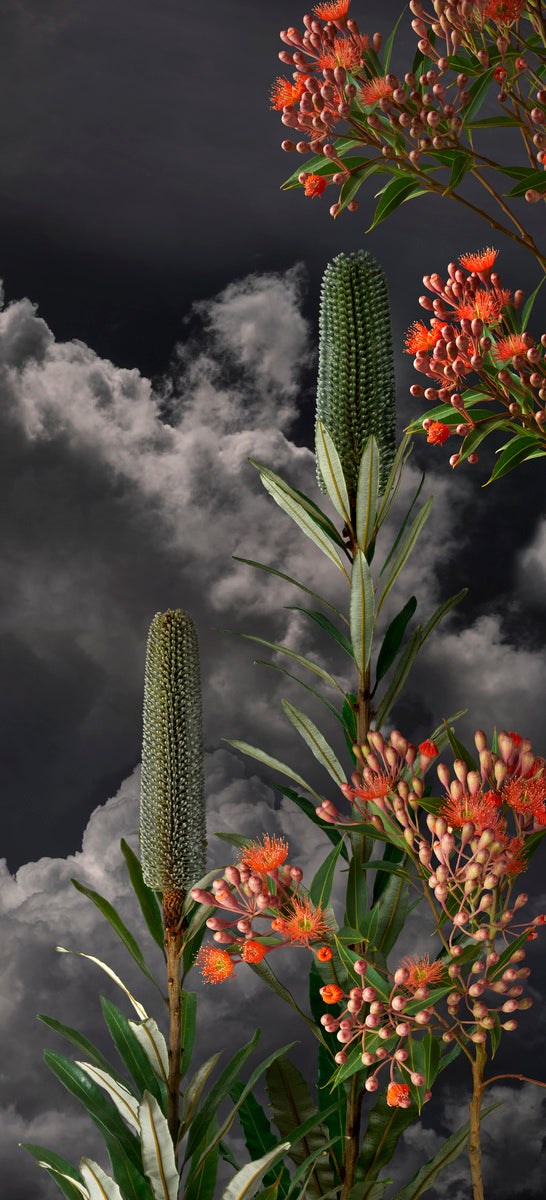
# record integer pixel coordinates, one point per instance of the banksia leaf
(356, 387)
(172, 806)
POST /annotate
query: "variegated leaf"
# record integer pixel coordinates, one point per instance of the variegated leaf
(246, 1182)
(124, 1101)
(149, 1035)
(100, 1186)
(158, 1158)
(330, 467)
(139, 1009)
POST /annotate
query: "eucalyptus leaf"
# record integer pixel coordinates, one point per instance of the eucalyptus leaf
(118, 926)
(323, 880)
(405, 550)
(447, 1153)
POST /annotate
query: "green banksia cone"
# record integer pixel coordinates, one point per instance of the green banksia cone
(356, 385)
(172, 805)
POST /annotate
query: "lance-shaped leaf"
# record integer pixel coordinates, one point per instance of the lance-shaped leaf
(146, 897)
(267, 975)
(64, 1174)
(217, 1093)
(399, 676)
(385, 1126)
(405, 550)
(139, 1009)
(150, 1037)
(393, 639)
(246, 1182)
(403, 187)
(361, 611)
(310, 812)
(158, 1158)
(132, 1053)
(100, 1186)
(202, 1185)
(393, 908)
(316, 742)
(275, 763)
(394, 478)
(356, 902)
(291, 1106)
(259, 1138)
(518, 450)
(367, 493)
(125, 1102)
(118, 926)
(78, 1039)
(329, 465)
(194, 1091)
(103, 1113)
(323, 881)
(447, 1153)
(326, 624)
(307, 523)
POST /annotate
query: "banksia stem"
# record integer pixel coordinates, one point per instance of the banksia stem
(172, 807)
(356, 386)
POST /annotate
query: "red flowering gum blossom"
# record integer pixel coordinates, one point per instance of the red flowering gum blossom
(331, 994)
(324, 954)
(398, 1095)
(438, 433)
(315, 185)
(216, 965)
(253, 952)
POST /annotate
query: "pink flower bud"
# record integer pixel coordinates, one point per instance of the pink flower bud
(369, 995)
(403, 1029)
(371, 1084)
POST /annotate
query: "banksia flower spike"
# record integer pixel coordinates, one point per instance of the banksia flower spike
(356, 386)
(172, 808)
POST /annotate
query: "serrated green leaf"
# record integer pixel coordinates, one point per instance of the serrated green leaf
(367, 493)
(203, 1181)
(316, 742)
(124, 1100)
(153, 1043)
(146, 897)
(329, 464)
(65, 1175)
(385, 1126)
(403, 187)
(361, 611)
(274, 763)
(393, 639)
(118, 926)
(217, 1093)
(188, 1018)
(405, 549)
(323, 880)
(246, 1182)
(158, 1158)
(102, 1112)
(303, 519)
(447, 1153)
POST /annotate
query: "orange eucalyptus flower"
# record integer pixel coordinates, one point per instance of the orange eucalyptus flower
(482, 260)
(304, 923)
(503, 12)
(333, 10)
(397, 1094)
(253, 952)
(265, 855)
(216, 964)
(324, 954)
(374, 90)
(437, 433)
(346, 53)
(315, 185)
(331, 994)
(421, 972)
(482, 810)
(285, 92)
(506, 348)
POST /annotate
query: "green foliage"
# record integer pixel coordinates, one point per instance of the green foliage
(172, 810)
(356, 388)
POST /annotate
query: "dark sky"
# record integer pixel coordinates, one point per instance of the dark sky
(175, 334)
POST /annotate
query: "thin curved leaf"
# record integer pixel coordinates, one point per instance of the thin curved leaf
(316, 742)
(518, 450)
(193, 1092)
(405, 549)
(139, 1009)
(326, 624)
(357, 177)
(146, 897)
(100, 1186)
(393, 639)
(274, 763)
(78, 1039)
(102, 1112)
(531, 179)
(462, 163)
(528, 307)
(447, 1153)
(246, 1182)
(478, 93)
(203, 1181)
(273, 571)
(361, 610)
(158, 1158)
(262, 662)
(399, 676)
(298, 1121)
(118, 926)
(305, 662)
(329, 464)
(367, 493)
(65, 1175)
(393, 909)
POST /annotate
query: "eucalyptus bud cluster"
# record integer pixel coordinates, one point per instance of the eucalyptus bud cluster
(389, 782)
